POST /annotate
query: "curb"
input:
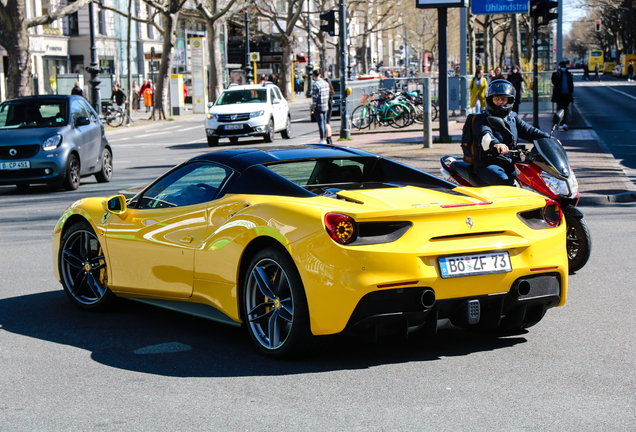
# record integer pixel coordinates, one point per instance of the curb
(623, 197)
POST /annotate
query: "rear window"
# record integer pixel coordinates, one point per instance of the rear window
(596, 54)
(33, 113)
(323, 171)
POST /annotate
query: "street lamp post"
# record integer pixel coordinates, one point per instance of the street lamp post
(310, 67)
(247, 68)
(94, 70)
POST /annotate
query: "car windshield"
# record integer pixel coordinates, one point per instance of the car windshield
(243, 96)
(33, 113)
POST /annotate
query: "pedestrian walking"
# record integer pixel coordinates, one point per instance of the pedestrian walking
(630, 71)
(478, 87)
(136, 91)
(586, 73)
(562, 90)
(596, 75)
(77, 90)
(320, 104)
(147, 95)
(516, 79)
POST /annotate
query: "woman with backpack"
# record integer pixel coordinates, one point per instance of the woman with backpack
(478, 87)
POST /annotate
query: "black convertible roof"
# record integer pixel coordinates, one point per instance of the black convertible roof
(241, 159)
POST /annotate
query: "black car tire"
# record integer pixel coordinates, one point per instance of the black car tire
(105, 174)
(579, 243)
(72, 179)
(82, 267)
(269, 136)
(233, 140)
(213, 141)
(286, 133)
(274, 305)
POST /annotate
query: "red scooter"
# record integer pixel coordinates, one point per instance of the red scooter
(544, 169)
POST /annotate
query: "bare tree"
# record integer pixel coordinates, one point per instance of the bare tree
(374, 16)
(215, 14)
(14, 38)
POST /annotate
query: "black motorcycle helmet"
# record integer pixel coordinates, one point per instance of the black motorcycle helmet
(500, 88)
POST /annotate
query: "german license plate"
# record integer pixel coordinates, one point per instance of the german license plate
(233, 127)
(15, 165)
(477, 264)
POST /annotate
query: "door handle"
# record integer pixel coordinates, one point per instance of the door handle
(187, 239)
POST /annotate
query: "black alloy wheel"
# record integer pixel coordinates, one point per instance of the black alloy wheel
(82, 268)
(72, 179)
(578, 243)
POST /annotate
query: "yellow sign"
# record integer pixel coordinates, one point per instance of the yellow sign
(255, 56)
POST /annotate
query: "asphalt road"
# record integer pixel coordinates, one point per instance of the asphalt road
(610, 108)
(146, 369)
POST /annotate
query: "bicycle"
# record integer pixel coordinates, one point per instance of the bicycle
(115, 117)
(386, 111)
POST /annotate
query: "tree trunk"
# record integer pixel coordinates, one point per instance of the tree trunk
(15, 41)
(167, 57)
(516, 41)
(364, 55)
(487, 52)
(216, 60)
(284, 79)
(128, 62)
(471, 43)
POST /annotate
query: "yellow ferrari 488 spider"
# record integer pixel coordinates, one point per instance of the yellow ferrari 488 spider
(297, 243)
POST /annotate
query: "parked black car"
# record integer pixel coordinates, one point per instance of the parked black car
(53, 140)
(335, 111)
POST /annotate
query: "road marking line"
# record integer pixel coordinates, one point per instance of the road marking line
(152, 130)
(195, 127)
(618, 91)
(152, 134)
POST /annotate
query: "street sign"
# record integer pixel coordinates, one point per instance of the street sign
(490, 7)
(255, 56)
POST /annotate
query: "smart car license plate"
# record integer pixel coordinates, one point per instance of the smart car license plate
(478, 264)
(15, 165)
(233, 127)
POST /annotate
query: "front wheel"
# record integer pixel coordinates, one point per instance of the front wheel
(286, 133)
(579, 243)
(72, 179)
(274, 305)
(82, 268)
(360, 118)
(213, 141)
(115, 119)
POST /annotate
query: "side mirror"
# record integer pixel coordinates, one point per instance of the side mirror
(82, 121)
(557, 118)
(115, 204)
(275, 101)
(210, 104)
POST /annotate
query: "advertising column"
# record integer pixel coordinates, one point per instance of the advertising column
(199, 75)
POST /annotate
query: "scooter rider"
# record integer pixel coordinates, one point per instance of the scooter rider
(496, 166)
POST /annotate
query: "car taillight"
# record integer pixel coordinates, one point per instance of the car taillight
(341, 228)
(552, 213)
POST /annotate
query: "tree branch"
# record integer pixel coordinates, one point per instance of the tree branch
(52, 16)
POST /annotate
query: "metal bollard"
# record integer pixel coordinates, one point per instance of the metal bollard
(427, 126)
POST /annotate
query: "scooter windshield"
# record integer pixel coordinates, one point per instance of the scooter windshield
(554, 154)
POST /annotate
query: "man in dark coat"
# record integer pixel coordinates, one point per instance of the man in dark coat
(562, 90)
(516, 79)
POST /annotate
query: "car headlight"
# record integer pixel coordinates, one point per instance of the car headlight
(213, 116)
(257, 113)
(52, 142)
(559, 187)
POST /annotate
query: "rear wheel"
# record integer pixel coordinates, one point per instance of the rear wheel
(213, 141)
(269, 136)
(274, 305)
(579, 243)
(286, 133)
(398, 116)
(106, 173)
(72, 180)
(82, 268)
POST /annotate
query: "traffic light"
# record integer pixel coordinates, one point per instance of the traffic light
(597, 25)
(540, 9)
(330, 27)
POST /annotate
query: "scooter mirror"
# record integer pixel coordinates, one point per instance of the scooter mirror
(498, 123)
(557, 118)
